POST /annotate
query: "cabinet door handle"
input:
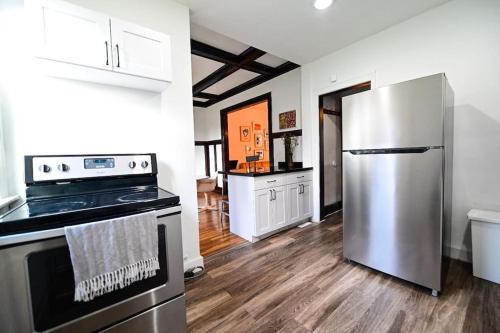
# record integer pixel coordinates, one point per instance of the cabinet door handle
(271, 195)
(301, 188)
(107, 57)
(271, 181)
(118, 55)
(274, 191)
(298, 177)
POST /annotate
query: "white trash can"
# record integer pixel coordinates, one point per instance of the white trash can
(485, 227)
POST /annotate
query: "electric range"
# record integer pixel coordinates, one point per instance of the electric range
(35, 265)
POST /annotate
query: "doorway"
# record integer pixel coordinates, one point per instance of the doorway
(330, 147)
(246, 130)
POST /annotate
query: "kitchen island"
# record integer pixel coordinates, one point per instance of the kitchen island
(265, 201)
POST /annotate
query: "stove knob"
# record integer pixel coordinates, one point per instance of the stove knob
(144, 164)
(63, 167)
(44, 168)
(132, 164)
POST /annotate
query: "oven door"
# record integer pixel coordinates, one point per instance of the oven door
(39, 285)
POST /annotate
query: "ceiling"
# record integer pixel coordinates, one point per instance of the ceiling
(223, 67)
(295, 30)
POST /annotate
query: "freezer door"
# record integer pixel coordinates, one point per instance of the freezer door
(393, 213)
(408, 114)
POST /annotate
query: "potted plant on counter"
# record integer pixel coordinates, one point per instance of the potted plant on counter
(290, 142)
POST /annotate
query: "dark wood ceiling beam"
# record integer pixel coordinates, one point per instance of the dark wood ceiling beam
(206, 95)
(201, 104)
(232, 63)
(282, 69)
(245, 60)
(213, 78)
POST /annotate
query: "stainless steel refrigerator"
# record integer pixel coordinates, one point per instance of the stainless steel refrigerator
(397, 175)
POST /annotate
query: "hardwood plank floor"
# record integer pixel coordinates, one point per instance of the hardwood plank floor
(297, 281)
(213, 237)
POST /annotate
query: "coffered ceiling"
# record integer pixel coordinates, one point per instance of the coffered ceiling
(223, 67)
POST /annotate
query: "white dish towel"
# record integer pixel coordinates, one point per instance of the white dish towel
(112, 254)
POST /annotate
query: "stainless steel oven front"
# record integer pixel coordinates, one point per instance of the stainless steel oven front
(37, 287)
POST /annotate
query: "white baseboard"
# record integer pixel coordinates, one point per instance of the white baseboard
(459, 254)
(193, 262)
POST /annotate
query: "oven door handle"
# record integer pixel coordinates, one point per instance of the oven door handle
(59, 232)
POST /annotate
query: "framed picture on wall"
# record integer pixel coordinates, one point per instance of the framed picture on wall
(266, 145)
(288, 119)
(266, 133)
(257, 127)
(260, 153)
(244, 133)
(248, 150)
(259, 141)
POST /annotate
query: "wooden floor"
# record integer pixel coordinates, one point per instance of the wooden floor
(298, 282)
(213, 237)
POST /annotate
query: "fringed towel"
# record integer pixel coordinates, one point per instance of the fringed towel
(112, 254)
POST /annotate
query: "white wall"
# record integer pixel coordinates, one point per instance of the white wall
(460, 38)
(55, 116)
(285, 94)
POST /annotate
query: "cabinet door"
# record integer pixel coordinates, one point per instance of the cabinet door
(279, 207)
(263, 211)
(69, 33)
(306, 200)
(140, 51)
(295, 203)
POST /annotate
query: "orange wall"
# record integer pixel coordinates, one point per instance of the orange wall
(248, 116)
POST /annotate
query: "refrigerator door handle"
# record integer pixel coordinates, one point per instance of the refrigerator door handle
(418, 150)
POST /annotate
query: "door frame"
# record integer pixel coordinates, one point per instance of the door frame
(206, 151)
(343, 92)
(224, 130)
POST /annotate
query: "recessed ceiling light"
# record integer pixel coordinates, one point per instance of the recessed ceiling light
(322, 4)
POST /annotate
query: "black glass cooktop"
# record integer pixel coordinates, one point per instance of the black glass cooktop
(38, 214)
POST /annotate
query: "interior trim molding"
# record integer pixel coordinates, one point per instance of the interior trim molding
(209, 142)
(224, 125)
(279, 135)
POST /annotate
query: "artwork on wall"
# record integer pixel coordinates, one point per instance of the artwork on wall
(248, 150)
(244, 133)
(288, 119)
(257, 127)
(266, 145)
(266, 133)
(260, 153)
(259, 141)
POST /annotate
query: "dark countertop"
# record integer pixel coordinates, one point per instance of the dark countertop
(265, 171)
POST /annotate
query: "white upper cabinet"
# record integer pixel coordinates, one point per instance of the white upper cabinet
(71, 34)
(92, 46)
(140, 51)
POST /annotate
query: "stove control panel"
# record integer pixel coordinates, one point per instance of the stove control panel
(62, 168)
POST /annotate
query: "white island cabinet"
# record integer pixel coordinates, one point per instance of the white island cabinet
(264, 203)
